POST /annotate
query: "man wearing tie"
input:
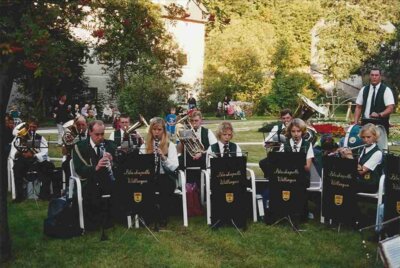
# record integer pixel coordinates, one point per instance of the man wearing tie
(91, 158)
(375, 102)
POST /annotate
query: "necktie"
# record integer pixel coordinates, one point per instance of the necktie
(98, 150)
(295, 147)
(226, 150)
(373, 100)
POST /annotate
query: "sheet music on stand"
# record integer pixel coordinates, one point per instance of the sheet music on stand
(389, 251)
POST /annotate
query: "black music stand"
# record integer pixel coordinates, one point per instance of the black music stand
(228, 191)
(338, 193)
(392, 194)
(288, 186)
(135, 188)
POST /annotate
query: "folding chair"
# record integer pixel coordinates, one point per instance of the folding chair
(379, 201)
(74, 180)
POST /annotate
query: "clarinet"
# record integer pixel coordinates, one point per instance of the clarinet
(110, 173)
(157, 156)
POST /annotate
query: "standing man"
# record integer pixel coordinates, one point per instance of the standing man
(93, 162)
(375, 102)
(192, 102)
(60, 112)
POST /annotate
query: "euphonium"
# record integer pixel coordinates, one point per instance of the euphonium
(137, 125)
(70, 133)
(24, 140)
(186, 135)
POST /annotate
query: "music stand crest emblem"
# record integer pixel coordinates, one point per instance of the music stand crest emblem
(137, 197)
(338, 200)
(398, 207)
(367, 176)
(286, 195)
(229, 197)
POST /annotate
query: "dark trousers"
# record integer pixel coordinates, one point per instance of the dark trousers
(45, 174)
(166, 187)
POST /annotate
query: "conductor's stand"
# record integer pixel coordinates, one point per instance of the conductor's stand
(288, 186)
(228, 187)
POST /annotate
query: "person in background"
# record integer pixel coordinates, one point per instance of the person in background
(107, 113)
(171, 122)
(90, 117)
(93, 108)
(192, 104)
(60, 113)
(77, 111)
(84, 110)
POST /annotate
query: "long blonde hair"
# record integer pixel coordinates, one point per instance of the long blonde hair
(164, 141)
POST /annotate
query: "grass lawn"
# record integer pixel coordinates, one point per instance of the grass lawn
(196, 246)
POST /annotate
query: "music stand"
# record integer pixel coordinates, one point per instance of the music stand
(135, 189)
(228, 191)
(288, 185)
(338, 195)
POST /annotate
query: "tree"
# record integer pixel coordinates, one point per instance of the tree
(351, 34)
(34, 47)
(132, 40)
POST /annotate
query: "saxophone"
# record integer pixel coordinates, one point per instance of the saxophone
(110, 173)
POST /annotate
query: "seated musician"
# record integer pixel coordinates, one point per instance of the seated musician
(370, 160)
(119, 136)
(224, 147)
(157, 143)
(295, 143)
(206, 137)
(81, 128)
(286, 117)
(31, 157)
(92, 160)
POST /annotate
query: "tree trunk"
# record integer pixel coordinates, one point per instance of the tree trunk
(6, 80)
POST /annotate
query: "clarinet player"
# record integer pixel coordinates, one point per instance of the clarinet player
(166, 161)
(93, 162)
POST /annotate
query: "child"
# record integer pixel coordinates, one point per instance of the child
(171, 122)
(224, 148)
(295, 143)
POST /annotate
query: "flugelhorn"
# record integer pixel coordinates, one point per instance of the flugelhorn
(186, 135)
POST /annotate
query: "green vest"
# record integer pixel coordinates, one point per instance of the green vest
(379, 100)
(117, 137)
(371, 177)
(305, 145)
(204, 138)
(232, 148)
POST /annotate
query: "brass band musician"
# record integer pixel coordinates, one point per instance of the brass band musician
(122, 137)
(274, 135)
(77, 131)
(31, 154)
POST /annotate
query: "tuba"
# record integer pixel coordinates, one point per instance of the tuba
(70, 133)
(187, 135)
(308, 108)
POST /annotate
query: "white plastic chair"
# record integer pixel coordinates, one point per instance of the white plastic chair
(75, 180)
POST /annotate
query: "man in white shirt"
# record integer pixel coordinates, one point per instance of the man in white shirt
(375, 102)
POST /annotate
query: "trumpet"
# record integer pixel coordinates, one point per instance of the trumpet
(187, 135)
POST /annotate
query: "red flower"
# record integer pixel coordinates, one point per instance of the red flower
(211, 17)
(98, 33)
(16, 49)
(30, 65)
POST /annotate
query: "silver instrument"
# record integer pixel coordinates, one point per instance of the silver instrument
(156, 155)
(110, 172)
(187, 135)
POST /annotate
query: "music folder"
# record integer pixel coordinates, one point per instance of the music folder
(392, 193)
(228, 189)
(288, 183)
(135, 185)
(338, 193)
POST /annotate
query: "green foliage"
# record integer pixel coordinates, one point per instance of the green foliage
(147, 95)
(38, 51)
(352, 33)
(132, 39)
